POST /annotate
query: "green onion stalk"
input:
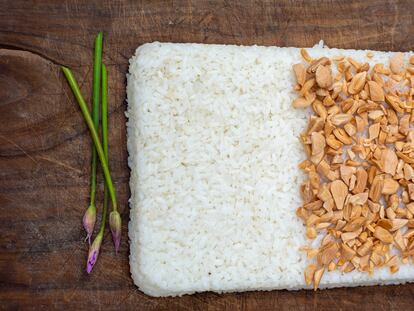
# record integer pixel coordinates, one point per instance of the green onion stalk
(95, 247)
(89, 217)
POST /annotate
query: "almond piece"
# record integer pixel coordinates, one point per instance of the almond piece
(361, 181)
(328, 253)
(301, 102)
(376, 188)
(365, 248)
(311, 233)
(350, 129)
(342, 136)
(389, 161)
(375, 91)
(398, 223)
(318, 143)
(323, 76)
(346, 173)
(373, 131)
(383, 235)
(317, 277)
(339, 192)
(309, 274)
(300, 73)
(357, 83)
(411, 191)
(347, 253)
(332, 142)
(340, 119)
(305, 55)
(358, 199)
(397, 63)
(390, 186)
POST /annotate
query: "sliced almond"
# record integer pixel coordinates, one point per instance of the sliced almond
(309, 274)
(339, 192)
(342, 136)
(300, 73)
(341, 119)
(323, 76)
(361, 181)
(376, 92)
(357, 83)
(390, 186)
(383, 235)
(317, 277)
(376, 189)
(365, 248)
(389, 161)
(397, 63)
(374, 130)
(301, 102)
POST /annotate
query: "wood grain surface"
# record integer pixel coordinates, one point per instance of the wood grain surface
(45, 147)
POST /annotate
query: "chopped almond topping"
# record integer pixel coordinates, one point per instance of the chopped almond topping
(323, 76)
(359, 195)
(300, 73)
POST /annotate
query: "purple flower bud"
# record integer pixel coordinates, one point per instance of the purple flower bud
(93, 253)
(89, 219)
(115, 225)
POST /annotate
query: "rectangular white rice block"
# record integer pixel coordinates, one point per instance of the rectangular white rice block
(213, 151)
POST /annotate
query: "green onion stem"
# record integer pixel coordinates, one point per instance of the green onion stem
(95, 108)
(104, 100)
(94, 134)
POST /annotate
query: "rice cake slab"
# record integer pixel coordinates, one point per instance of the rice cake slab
(214, 151)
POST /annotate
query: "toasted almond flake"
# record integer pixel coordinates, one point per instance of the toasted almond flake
(317, 277)
(374, 130)
(346, 173)
(340, 119)
(347, 236)
(327, 253)
(376, 92)
(300, 73)
(323, 76)
(397, 63)
(390, 186)
(357, 83)
(405, 157)
(309, 274)
(411, 191)
(376, 189)
(358, 199)
(389, 161)
(301, 102)
(390, 213)
(394, 269)
(312, 206)
(347, 253)
(342, 136)
(399, 241)
(339, 192)
(404, 124)
(398, 224)
(315, 64)
(365, 248)
(354, 224)
(305, 55)
(394, 102)
(410, 207)
(383, 235)
(361, 181)
(318, 143)
(370, 54)
(311, 233)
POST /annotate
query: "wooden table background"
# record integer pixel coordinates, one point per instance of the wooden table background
(45, 147)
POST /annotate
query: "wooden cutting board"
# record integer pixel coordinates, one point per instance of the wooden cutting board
(45, 146)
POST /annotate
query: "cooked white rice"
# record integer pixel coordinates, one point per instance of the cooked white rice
(213, 151)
